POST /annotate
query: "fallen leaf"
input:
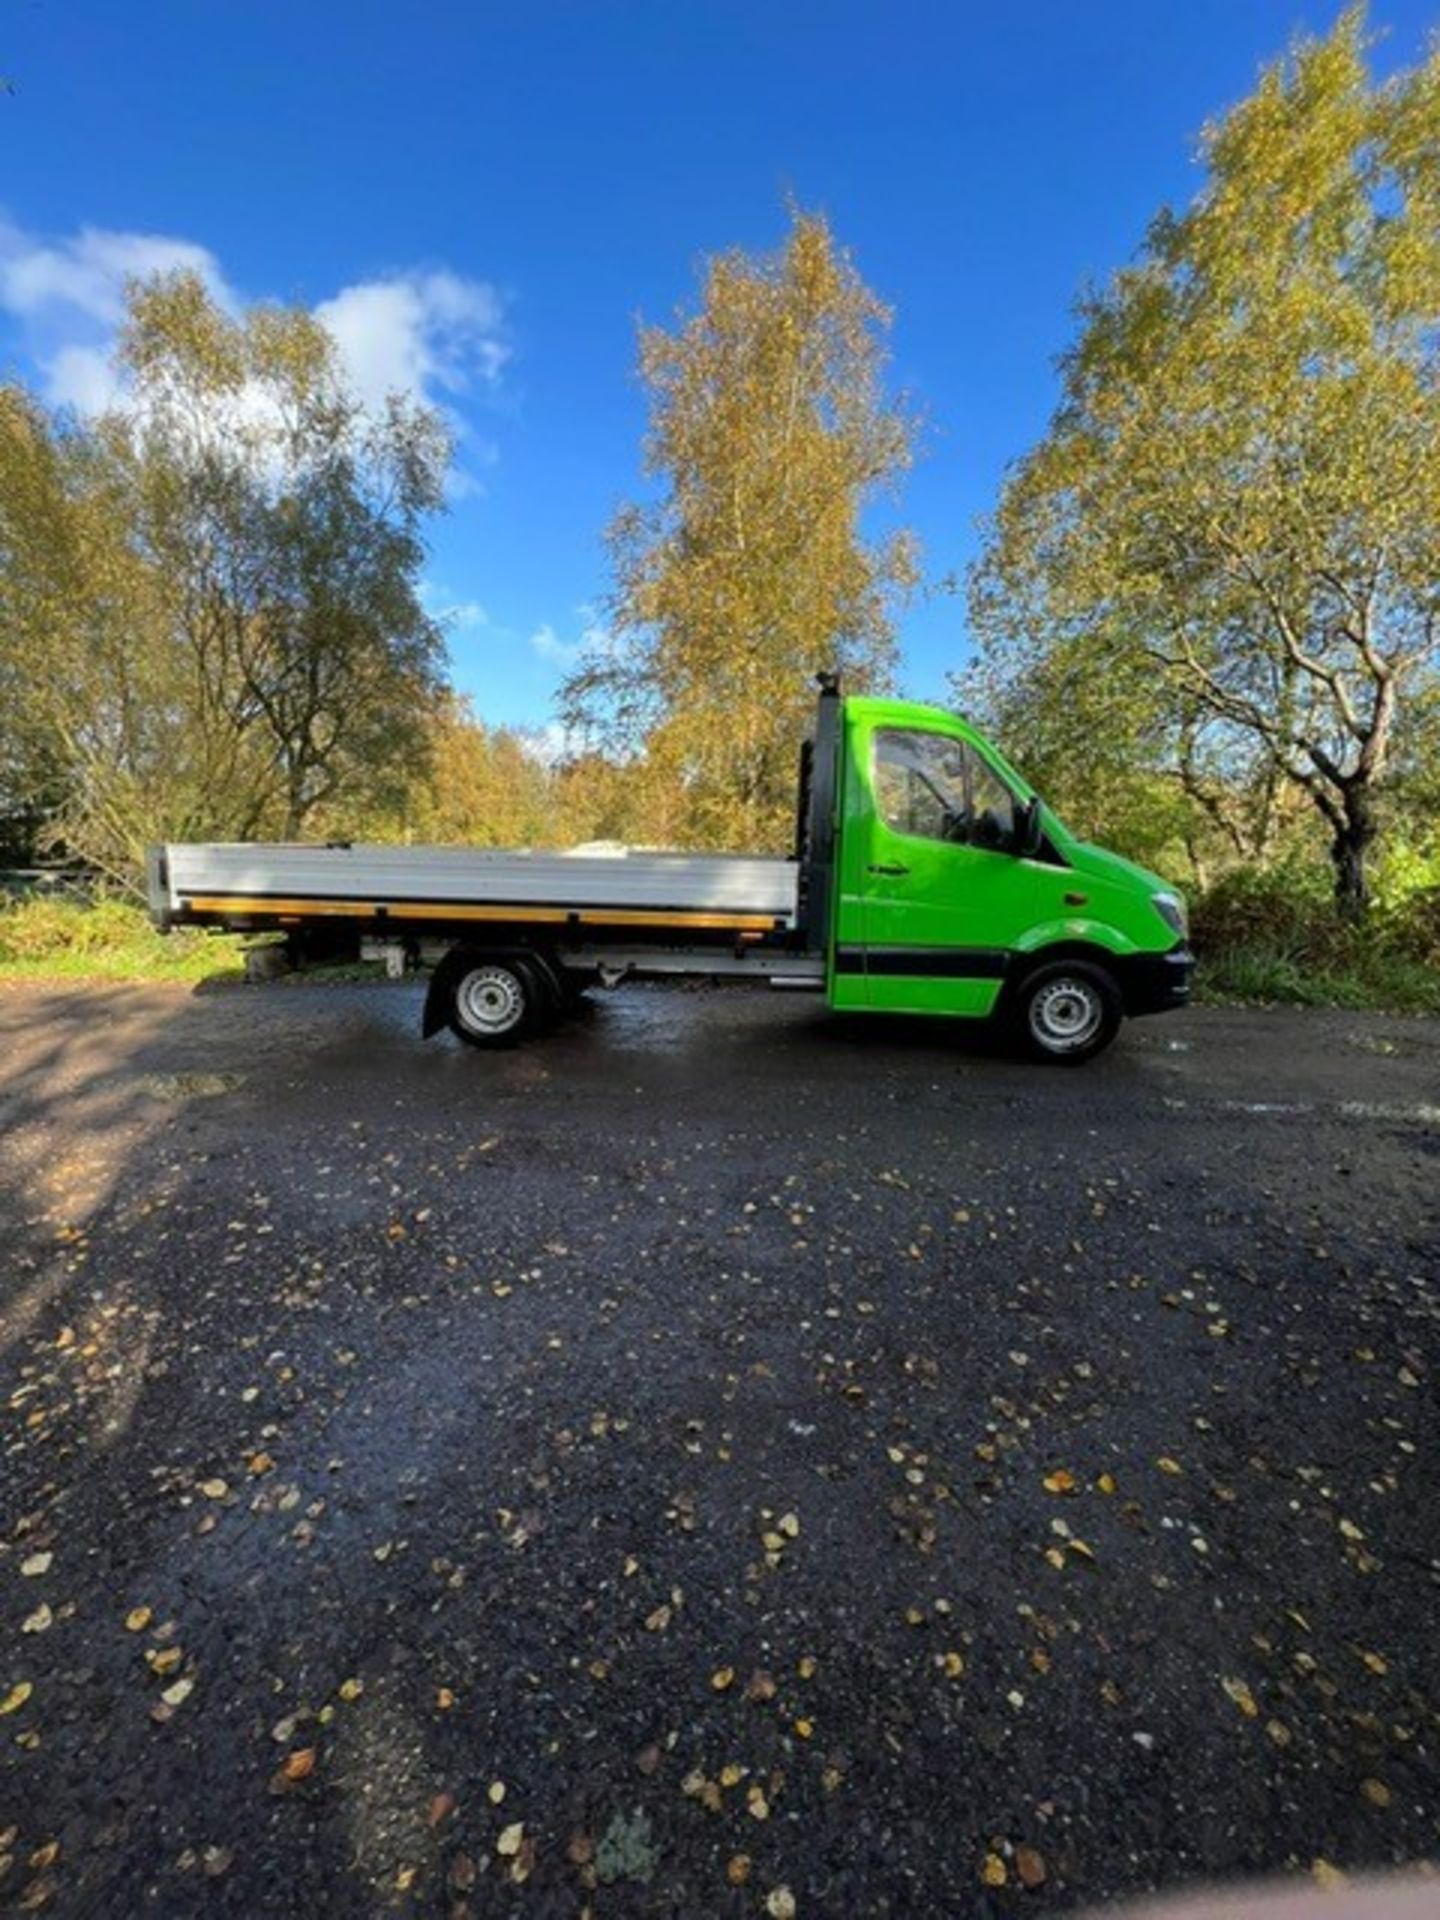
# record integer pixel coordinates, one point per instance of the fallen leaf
(261, 1463)
(722, 1678)
(994, 1872)
(300, 1764)
(441, 1807)
(789, 1525)
(780, 1905)
(953, 1664)
(737, 1869)
(1030, 1866)
(39, 1621)
(1167, 1465)
(138, 1619)
(178, 1692)
(495, 1792)
(214, 1489)
(35, 1564)
(444, 1698)
(463, 1873)
(1376, 1792)
(1060, 1481)
(1375, 1662)
(17, 1696)
(1242, 1696)
(807, 1667)
(351, 1689)
(508, 1845)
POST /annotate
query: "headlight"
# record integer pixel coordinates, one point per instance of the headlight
(1171, 909)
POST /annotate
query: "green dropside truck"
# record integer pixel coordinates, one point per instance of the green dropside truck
(927, 877)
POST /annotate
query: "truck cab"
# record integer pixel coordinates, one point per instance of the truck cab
(957, 891)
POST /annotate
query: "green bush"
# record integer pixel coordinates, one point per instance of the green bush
(1275, 936)
(106, 939)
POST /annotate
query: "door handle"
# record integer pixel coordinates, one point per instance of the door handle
(894, 867)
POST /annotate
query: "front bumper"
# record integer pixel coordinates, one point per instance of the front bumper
(1156, 982)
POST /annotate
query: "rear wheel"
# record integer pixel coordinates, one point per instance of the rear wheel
(494, 1003)
(1067, 1012)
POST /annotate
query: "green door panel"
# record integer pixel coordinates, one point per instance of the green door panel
(931, 918)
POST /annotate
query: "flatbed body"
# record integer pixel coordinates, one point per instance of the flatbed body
(431, 889)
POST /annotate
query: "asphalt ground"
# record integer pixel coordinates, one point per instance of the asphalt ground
(718, 1460)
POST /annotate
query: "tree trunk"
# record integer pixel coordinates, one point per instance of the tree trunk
(1349, 850)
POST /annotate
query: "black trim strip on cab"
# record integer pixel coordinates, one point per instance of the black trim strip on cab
(925, 963)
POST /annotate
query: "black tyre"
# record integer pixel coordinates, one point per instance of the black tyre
(494, 1001)
(1066, 1012)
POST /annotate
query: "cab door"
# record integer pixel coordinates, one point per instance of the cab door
(943, 896)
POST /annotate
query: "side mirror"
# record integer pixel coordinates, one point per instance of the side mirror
(1029, 831)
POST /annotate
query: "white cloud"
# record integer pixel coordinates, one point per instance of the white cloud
(424, 333)
(83, 378)
(594, 638)
(87, 273)
(430, 333)
(548, 644)
(458, 616)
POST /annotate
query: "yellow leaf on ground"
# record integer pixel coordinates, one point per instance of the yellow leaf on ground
(722, 1678)
(1242, 1696)
(138, 1619)
(1167, 1465)
(994, 1871)
(1061, 1481)
(511, 1838)
(17, 1696)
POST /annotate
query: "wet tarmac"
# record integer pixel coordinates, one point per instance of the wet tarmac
(718, 1456)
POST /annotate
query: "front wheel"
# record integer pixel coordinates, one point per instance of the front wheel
(1067, 1012)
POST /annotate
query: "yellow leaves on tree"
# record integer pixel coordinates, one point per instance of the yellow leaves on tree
(769, 431)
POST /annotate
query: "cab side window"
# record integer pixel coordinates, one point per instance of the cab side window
(939, 788)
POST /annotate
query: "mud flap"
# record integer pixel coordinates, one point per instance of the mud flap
(440, 992)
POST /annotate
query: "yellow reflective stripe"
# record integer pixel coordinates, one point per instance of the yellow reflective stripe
(459, 910)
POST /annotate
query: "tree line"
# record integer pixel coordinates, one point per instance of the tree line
(1205, 616)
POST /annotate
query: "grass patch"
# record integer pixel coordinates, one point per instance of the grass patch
(54, 939)
(1380, 981)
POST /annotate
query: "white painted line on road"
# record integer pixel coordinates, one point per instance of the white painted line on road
(1421, 1113)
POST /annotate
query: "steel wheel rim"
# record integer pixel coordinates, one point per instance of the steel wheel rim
(1066, 1014)
(489, 1000)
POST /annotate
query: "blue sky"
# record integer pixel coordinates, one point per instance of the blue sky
(483, 198)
